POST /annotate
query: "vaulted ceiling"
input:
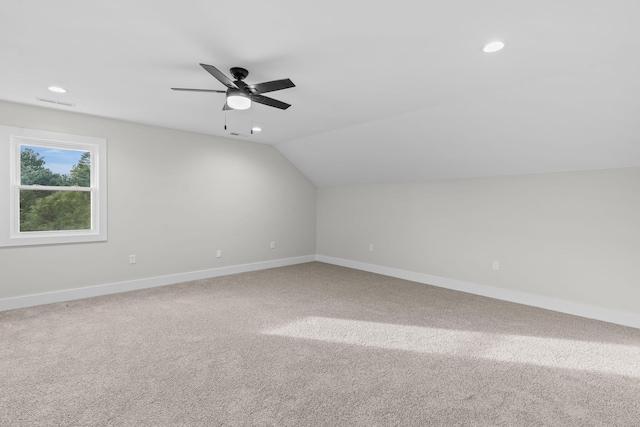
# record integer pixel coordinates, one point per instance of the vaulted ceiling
(385, 91)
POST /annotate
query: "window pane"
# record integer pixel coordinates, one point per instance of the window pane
(55, 210)
(54, 166)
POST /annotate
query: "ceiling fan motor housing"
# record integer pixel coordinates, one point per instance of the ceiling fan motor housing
(239, 73)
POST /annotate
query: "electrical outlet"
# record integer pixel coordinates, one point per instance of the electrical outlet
(370, 247)
(273, 245)
(132, 259)
(218, 253)
(496, 265)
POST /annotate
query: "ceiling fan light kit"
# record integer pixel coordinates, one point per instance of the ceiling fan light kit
(240, 94)
(236, 100)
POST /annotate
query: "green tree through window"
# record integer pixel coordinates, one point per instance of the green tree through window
(50, 209)
(33, 171)
(81, 172)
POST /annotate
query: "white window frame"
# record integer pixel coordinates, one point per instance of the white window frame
(11, 139)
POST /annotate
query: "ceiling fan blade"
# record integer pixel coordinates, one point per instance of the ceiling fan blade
(273, 86)
(241, 84)
(218, 75)
(198, 90)
(269, 101)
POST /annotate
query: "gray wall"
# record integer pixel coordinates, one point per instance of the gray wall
(177, 197)
(174, 199)
(572, 236)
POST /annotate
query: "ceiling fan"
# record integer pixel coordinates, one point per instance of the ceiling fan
(240, 94)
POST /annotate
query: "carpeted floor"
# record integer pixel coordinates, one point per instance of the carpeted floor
(312, 345)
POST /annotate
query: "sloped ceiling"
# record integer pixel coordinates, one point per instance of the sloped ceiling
(385, 91)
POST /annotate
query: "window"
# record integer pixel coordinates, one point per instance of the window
(57, 188)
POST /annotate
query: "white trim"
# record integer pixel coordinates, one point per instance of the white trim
(151, 282)
(548, 303)
(554, 304)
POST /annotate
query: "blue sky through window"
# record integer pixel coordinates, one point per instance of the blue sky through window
(57, 160)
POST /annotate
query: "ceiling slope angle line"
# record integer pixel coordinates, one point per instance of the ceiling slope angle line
(240, 94)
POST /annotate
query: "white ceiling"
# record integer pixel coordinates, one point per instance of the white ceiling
(386, 91)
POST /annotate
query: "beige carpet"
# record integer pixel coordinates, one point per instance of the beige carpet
(312, 345)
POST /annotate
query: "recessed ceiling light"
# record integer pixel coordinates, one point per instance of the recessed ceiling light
(256, 129)
(56, 89)
(493, 47)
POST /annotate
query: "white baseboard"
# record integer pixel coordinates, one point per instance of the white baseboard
(562, 306)
(151, 282)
